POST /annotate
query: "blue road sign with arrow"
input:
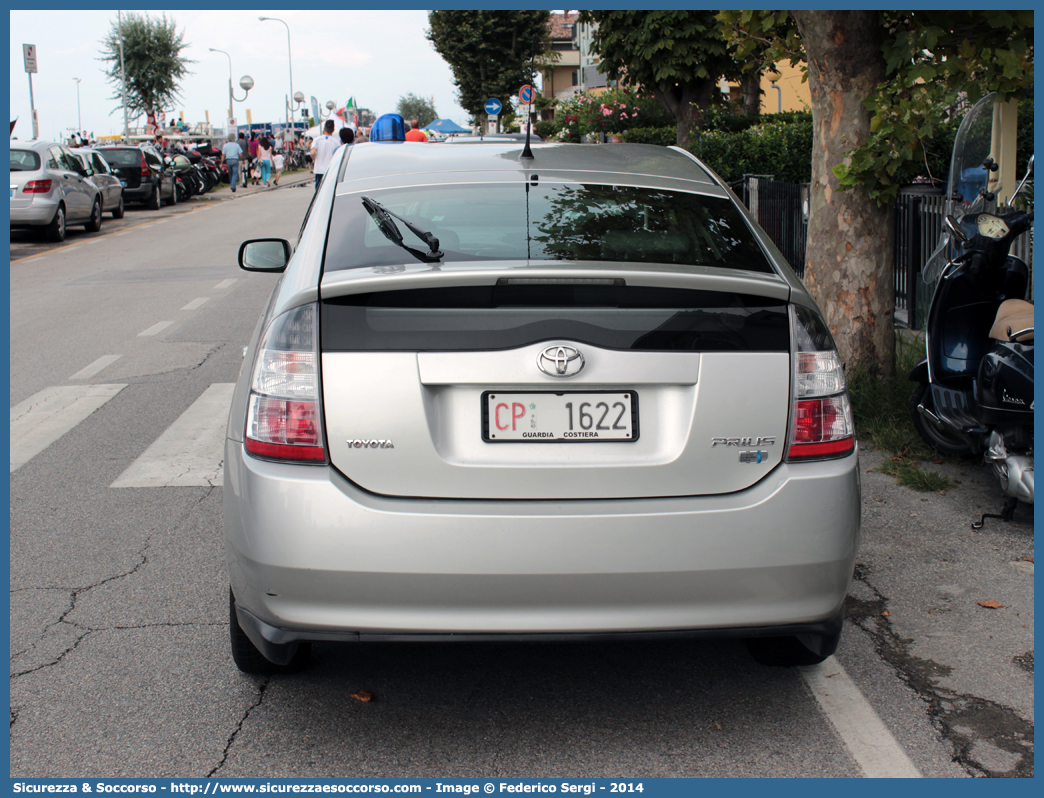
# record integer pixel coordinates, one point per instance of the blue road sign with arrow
(492, 106)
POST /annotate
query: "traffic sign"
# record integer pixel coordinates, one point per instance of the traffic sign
(493, 106)
(29, 52)
(526, 94)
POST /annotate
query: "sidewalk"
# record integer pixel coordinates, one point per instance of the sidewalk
(223, 191)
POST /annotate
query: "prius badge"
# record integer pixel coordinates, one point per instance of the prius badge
(560, 361)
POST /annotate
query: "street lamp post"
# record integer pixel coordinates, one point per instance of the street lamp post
(330, 105)
(246, 83)
(79, 122)
(290, 59)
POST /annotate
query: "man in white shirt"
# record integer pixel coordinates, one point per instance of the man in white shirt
(322, 151)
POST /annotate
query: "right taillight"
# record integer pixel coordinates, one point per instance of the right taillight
(144, 167)
(283, 413)
(821, 424)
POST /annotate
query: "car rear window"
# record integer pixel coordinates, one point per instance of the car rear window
(121, 157)
(24, 161)
(546, 221)
(491, 317)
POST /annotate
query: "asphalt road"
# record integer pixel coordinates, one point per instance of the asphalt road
(119, 637)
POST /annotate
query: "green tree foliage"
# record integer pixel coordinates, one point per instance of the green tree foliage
(677, 57)
(413, 107)
(930, 58)
(152, 57)
(490, 52)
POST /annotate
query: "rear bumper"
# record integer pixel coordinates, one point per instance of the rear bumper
(312, 557)
(39, 213)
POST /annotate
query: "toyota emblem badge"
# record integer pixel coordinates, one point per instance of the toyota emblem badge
(560, 361)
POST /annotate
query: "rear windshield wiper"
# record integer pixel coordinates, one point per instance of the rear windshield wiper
(383, 217)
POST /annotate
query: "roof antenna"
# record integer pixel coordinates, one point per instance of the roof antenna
(527, 154)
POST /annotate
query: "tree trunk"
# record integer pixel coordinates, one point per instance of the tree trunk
(750, 90)
(849, 258)
(687, 104)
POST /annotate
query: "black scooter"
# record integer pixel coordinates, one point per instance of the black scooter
(974, 393)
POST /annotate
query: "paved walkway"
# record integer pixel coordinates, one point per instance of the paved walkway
(289, 179)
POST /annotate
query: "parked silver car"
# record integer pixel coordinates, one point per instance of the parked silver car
(108, 183)
(50, 189)
(573, 396)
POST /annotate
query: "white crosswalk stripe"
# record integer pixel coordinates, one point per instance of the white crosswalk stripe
(47, 415)
(190, 452)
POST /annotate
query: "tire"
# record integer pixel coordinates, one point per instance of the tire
(55, 231)
(154, 199)
(118, 213)
(784, 652)
(181, 191)
(246, 655)
(94, 225)
(942, 439)
(173, 195)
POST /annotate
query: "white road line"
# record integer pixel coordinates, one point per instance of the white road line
(196, 303)
(224, 284)
(867, 739)
(155, 328)
(95, 367)
(46, 416)
(190, 452)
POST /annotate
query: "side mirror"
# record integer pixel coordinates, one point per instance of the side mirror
(1029, 174)
(265, 255)
(954, 227)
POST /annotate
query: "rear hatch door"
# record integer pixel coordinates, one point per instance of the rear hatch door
(483, 386)
(125, 164)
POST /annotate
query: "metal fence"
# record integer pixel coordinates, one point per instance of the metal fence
(779, 210)
(782, 211)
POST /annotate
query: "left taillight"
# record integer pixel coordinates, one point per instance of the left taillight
(37, 187)
(821, 425)
(284, 418)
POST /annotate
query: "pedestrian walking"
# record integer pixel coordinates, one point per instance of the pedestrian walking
(323, 150)
(255, 174)
(415, 133)
(244, 159)
(230, 154)
(278, 163)
(264, 152)
(347, 136)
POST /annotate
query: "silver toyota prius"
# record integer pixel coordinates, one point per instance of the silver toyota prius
(565, 393)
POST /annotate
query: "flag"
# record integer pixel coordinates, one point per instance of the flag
(350, 105)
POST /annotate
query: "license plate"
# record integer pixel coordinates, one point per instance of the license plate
(560, 417)
(12, 193)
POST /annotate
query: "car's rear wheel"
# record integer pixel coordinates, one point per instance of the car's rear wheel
(173, 196)
(94, 225)
(55, 231)
(247, 656)
(788, 652)
(119, 210)
(939, 437)
(154, 199)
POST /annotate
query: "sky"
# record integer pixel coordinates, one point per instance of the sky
(374, 56)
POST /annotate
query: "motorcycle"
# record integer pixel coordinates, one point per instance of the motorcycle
(974, 389)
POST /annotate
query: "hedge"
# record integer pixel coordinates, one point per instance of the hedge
(782, 149)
